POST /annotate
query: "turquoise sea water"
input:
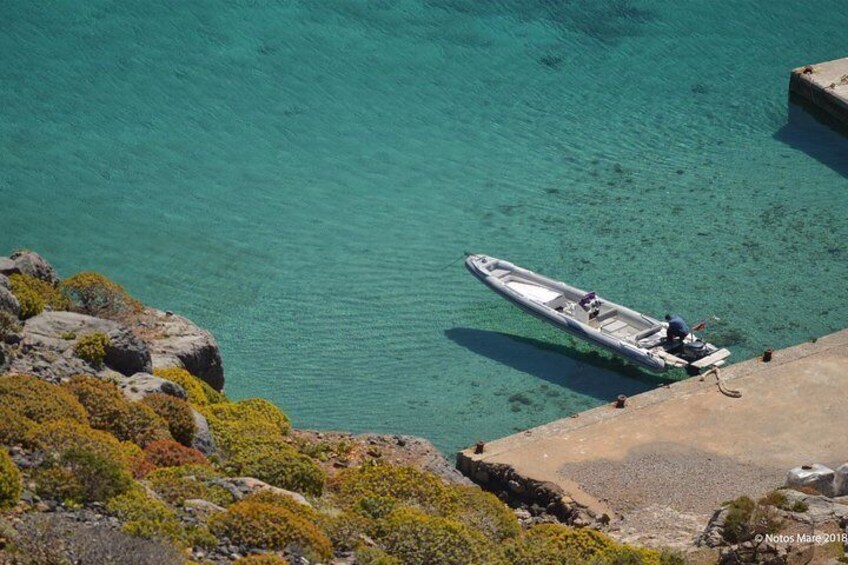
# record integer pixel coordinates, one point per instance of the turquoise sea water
(299, 176)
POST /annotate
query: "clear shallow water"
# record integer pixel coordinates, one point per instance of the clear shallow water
(299, 176)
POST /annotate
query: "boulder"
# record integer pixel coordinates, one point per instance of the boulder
(178, 342)
(47, 347)
(8, 302)
(202, 509)
(840, 480)
(4, 280)
(33, 264)
(816, 477)
(243, 486)
(203, 440)
(8, 267)
(139, 385)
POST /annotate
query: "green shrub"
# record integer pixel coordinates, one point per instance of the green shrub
(267, 526)
(168, 453)
(199, 393)
(36, 295)
(95, 295)
(146, 517)
(82, 476)
(58, 436)
(346, 529)
(554, 544)
(484, 512)
(242, 424)
(91, 348)
(178, 484)
(8, 324)
(14, 428)
(176, 413)
(142, 425)
(417, 538)
(267, 496)
(278, 464)
(375, 556)
(109, 411)
(10, 481)
(746, 519)
(261, 560)
(401, 483)
(38, 401)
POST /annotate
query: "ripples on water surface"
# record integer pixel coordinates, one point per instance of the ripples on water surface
(296, 176)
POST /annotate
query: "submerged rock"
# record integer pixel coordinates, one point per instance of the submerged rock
(178, 342)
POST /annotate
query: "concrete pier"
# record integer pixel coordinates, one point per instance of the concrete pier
(825, 86)
(657, 468)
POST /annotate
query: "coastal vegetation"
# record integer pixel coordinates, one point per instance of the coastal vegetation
(194, 477)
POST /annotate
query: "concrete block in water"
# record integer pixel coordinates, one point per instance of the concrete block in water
(824, 85)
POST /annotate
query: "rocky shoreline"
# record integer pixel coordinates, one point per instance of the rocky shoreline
(118, 445)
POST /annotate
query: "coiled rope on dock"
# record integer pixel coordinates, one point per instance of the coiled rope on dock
(725, 391)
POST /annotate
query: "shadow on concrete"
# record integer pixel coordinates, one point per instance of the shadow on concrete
(813, 131)
(586, 372)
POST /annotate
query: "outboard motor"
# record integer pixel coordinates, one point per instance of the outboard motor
(694, 350)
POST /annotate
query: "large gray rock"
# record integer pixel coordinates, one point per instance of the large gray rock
(47, 347)
(8, 267)
(180, 343)
(139, 385)
(4, 280)
(817, 477)
(8, 302)
(33, 264)
(840, 480)
(203, 440)
(244, 486)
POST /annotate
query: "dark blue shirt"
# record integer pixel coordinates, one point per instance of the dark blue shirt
(676, 324)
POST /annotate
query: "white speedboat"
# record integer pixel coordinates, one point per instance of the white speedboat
(625, 332)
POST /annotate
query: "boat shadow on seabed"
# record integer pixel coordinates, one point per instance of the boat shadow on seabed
(586, 372)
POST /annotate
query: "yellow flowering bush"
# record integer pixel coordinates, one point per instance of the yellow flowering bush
(91, 348)
(146, 517)
(38, 401)
(94, 294)
(178, 484)
(269, 526)
(109, 411)
(237, 425)
(176, 413)
(10, 481)
(199, 393)
(378, 483)
(262, 560)
(484, 512)
(554, 544)
(36, 295)
(280, 465)
(14, 428)
(81, 476)
(58, 436)
(416, 538)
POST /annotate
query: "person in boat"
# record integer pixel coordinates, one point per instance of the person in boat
(677, 328)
